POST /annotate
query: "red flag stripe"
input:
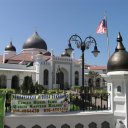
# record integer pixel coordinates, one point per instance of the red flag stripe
(102, 27)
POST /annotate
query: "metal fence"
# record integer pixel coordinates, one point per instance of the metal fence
(89, 102)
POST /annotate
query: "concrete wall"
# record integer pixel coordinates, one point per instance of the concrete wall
(58, 120)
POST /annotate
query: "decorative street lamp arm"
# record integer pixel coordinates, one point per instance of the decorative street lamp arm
(75, 38)
(89, 40)
(83, 45)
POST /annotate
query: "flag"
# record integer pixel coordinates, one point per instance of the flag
(102, 27)
(29, 64)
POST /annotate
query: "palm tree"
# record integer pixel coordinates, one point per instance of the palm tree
(92, 77)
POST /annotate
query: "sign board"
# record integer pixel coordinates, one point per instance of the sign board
(39, 104)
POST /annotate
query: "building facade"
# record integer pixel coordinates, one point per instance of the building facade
(44, 67)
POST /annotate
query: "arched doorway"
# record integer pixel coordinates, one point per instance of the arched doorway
(15, 82)
(3, 81)
(60, 79)
(46, 76)
(76, 78)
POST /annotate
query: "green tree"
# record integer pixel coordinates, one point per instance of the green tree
(93, 75)
(2, 98)
(27, 86)
(38, 88)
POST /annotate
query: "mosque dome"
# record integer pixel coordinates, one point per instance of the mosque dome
(119, 59)
(10, 47)
(35, 41)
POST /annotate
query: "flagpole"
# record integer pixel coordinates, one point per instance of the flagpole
(108, 48)
(107, 39)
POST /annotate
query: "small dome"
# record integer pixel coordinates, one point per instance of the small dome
(10, 47)
(35, 41)
(65, 54)
(119, 59)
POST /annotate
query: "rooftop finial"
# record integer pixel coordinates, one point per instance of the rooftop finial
(119, 37)
(120, 45)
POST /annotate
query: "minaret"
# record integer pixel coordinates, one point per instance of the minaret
(38, 64)
(117, 82)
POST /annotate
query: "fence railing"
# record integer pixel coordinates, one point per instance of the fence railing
(89, 101)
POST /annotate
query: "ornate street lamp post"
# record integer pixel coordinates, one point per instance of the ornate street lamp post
(83, 45)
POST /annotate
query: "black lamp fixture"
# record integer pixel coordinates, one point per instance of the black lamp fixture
(83, 45)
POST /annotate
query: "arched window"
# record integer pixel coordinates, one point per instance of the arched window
(92, 125)
(3, 81)
(51, 126)
(79, 125)
(15, 82)
(20, 126)
(98, 83)
(118, 88)
(36, 126)
(65, 126)
(5, 126)
(46, 74)
(76, 78)
(105, 124)
(90, 82)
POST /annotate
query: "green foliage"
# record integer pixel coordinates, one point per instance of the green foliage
(93, 74)
(53, 91)
(2, 98)
(100, 91)
(7, 90)
(74, 107)
(75, 87)
(38, 88)
(66, 85)
(27, 85)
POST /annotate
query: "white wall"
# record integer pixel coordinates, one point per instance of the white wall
(84, 118)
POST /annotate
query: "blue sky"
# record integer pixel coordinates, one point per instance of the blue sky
(57, 20)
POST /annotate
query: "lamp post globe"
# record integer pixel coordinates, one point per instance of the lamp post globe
(69, 50)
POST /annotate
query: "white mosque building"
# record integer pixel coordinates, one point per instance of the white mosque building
(45, 68)
(50, 71)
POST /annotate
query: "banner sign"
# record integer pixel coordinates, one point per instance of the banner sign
(39, 104)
